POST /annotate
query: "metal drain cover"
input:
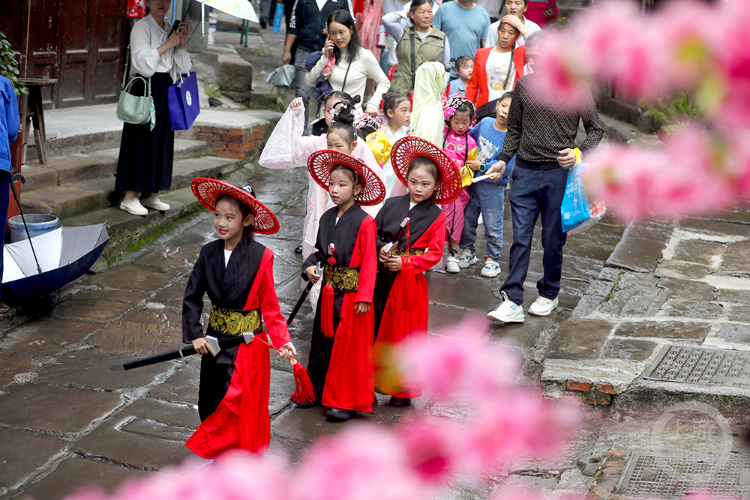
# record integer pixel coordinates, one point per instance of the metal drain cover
(663, 476)
(702, 365)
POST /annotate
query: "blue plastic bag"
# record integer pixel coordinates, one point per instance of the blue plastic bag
(278, 16)
(575, 204)
(184, 103)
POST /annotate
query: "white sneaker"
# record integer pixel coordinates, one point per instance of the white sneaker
(451, 265)
(133, 207)
(480, 220)
(543, 306)
(507, 311)
(154, 203)
(491, 268)
(467, 258)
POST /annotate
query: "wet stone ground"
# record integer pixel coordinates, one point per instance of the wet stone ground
(67, 420)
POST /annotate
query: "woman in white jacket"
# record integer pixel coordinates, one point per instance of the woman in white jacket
(146, 151)
(349, 63)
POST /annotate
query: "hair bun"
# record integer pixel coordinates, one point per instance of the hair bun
(344, 112)
(356, 99)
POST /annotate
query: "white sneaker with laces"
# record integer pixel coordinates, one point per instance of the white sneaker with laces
(543, 306)
(491, 268)
(451, 265)
(467, 258)
(154, 203)
(507, 311)
(133, 207)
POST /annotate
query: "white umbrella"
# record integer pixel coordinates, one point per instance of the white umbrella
(237, 8)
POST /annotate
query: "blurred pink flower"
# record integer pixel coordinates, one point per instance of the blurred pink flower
(238, 477)
(362, 462)
(681, 178)
(462, 361)
(433, 447)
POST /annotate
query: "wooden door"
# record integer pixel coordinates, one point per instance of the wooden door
(107, 53)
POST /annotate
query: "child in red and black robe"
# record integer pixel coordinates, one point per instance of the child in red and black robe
(340, 365)
(406, 249)
(237, 274)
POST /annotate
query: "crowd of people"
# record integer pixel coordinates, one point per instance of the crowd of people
(399, 181)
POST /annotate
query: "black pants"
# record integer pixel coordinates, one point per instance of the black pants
(216, 376)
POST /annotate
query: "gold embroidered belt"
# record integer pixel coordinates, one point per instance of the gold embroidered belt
(234, 322)
(401, 252)
(345, 279)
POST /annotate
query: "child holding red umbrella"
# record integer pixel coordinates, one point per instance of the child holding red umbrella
(340, 365)
(406, 249)
(237, 274)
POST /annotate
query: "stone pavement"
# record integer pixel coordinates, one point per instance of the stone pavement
(657, 421)
(67, 420)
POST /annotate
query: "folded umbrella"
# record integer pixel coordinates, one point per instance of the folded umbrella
(63, 256)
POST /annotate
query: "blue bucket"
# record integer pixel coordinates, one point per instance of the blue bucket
(37, 223)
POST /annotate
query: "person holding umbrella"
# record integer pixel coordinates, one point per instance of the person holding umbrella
(9, 125)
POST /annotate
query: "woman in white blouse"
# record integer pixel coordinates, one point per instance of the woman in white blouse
(146, 151)
(354, 64)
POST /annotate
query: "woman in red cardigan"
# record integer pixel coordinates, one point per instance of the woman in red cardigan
(496, 69)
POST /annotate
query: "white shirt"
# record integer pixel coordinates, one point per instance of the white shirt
(145, 39)
(411, 205)
(497, 68)
(491, 40)
(227, 254)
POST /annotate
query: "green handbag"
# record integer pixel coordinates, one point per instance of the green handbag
(135, 109)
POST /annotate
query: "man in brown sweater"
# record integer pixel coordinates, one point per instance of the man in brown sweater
(541, 134)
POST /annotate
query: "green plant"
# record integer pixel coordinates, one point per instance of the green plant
(9, 66)
(679, 113)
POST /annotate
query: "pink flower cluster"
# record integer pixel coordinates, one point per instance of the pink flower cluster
(692, 174)
(674, 48)
(701, 169)
(499, 420)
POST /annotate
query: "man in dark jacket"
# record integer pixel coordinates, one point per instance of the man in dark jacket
(541, 134)
(9, 124)
(308, 27)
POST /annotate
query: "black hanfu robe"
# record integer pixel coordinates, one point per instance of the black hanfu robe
(229, 288)
(340, 367)
(426, 241)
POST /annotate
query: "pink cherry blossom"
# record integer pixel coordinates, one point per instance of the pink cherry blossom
(362, 462)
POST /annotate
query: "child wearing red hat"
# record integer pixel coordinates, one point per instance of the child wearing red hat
(237, 274)
(410, 240)
(340, 364)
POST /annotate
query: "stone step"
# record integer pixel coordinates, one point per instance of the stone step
(96, 165)
(80, 197)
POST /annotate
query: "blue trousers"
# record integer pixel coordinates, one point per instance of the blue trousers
(487, 198)
(4, 193)
(535, 193)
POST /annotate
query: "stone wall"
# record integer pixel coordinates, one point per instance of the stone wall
(236, 143)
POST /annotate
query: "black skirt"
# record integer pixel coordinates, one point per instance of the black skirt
(145, 162)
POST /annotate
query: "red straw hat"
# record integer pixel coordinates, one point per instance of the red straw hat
(321, 163)
(410, 147)
(207, 190)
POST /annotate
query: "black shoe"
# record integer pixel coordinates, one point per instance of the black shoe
(304, 405)
(298, 249)
(263, 24)
(337, 415)
(399, 402)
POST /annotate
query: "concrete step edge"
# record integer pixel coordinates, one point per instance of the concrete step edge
(86, 196)
(96, 165)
